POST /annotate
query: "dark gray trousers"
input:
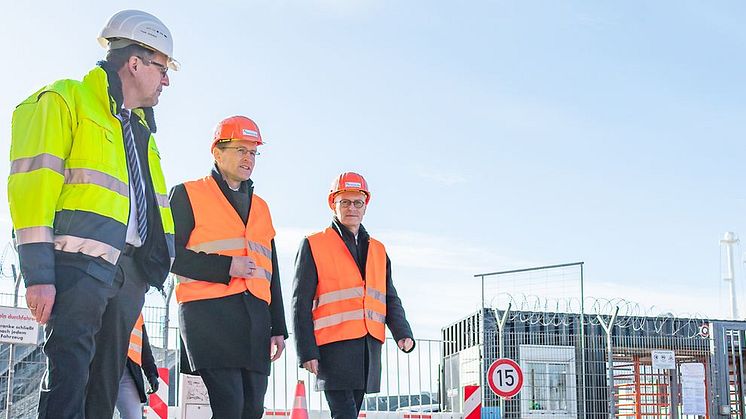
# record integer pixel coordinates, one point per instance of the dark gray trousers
(87, 337)
(344, 404)
(235, 393)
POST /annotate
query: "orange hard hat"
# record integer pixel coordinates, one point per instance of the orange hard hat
(348, 182)
(236, 128)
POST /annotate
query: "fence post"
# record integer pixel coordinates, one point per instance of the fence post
(609, 361)
(167, 292)
(501, 348)
(582, 341)
(12, 349)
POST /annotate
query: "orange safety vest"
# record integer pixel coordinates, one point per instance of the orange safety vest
(346, 307)
(135, 350)
(219, 229)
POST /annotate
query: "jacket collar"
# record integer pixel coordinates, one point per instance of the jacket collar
(108, 85)
(362, 234)
(247, 185)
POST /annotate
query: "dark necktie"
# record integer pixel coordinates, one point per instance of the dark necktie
(135, 175)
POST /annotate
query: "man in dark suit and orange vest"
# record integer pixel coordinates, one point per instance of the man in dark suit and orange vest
(228, 285)
(343, 297)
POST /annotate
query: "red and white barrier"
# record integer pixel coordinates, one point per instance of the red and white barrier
(159, 399)
(472, 402)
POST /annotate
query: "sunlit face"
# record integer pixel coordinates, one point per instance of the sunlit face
(151, 76)
(345, 210)
(235, 159)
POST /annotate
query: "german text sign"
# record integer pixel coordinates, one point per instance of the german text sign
(17, 325)
(505, 377)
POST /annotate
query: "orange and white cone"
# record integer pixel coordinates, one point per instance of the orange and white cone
(300, 408)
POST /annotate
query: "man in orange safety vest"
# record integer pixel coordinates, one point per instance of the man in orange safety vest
(230, 302)
(343, 297)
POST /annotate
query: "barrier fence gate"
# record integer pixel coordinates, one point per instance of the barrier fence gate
(609, 371)
(592, 358)
(727, 372)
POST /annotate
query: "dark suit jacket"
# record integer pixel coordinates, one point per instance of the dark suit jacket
(350, 364)
(227, 332)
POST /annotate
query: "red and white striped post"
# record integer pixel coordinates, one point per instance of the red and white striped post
(159, 399)
(472, 402)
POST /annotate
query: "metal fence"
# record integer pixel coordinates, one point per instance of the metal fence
(408, 380)
(704, 377)
(593, 358)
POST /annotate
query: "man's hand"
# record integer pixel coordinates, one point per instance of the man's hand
(276, 346)
(40, 300)
(153, 382)
(312, 366)
(405, 344)
(242, 266)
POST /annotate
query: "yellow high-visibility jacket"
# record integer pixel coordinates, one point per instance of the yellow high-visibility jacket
(68, 187)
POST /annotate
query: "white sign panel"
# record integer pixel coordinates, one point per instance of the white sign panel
(195, 401)
(692, 371)
(663, 360)
(17, 325)
(693, 395)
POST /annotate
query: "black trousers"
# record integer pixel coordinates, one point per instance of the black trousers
(235, 393)
(87, 337)
(344, 404)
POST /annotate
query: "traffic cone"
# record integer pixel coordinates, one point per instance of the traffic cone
(300, 408)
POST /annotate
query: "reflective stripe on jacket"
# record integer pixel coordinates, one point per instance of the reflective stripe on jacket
(346, 306)
(219, 229)
(135, 350)
(68, 187)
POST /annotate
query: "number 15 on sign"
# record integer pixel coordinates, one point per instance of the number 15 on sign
(505, 377)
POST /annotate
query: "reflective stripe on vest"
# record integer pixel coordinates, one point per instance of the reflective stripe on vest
(218, 229)
(35, 235)
(40, 161)
(135, 350)
(90, 247)
(346, 307)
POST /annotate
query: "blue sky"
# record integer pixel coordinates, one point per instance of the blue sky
(494, 135)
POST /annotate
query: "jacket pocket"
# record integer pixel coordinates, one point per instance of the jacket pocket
(96, 146)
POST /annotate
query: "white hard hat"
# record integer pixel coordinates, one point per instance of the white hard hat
(142, 28)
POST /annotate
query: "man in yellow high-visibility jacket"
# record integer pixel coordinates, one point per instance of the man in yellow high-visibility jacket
(90, 212)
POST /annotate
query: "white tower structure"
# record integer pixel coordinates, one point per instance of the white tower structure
(729, 276)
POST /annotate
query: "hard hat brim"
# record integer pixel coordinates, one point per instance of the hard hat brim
(172, 63)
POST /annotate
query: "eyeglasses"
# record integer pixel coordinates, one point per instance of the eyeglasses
(162, 68)
(345, 203)
(242, 151)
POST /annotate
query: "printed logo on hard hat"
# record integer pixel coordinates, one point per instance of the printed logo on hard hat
(353, 185)
(250, 133)
(153, 30)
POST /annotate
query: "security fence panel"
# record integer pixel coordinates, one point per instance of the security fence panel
(409, 382)
(727, 369)
(635, 366)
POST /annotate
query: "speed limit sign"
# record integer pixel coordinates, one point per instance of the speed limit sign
(505, 377)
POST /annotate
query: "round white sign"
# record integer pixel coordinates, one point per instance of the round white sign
(505, 377)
